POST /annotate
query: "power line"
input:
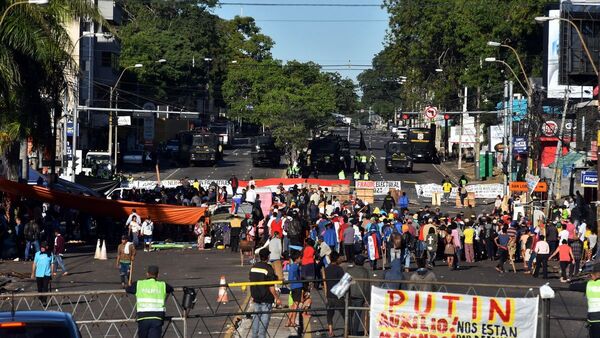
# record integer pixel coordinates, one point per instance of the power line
(321, 21)
(279, 4)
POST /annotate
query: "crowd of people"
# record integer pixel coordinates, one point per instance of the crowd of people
(309, 232)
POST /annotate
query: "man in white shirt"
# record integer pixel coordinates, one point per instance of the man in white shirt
(251, 195)
(147, 229)
(133, 216)
(563, 234)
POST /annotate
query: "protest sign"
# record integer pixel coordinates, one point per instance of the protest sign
(481, 190)
(398, 313)
(382, 187)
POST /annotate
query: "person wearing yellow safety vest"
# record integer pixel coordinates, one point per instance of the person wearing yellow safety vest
(366, 176)
(151, 295)
(592, 293)
(341, 175)
(356, 175)
(363, 163)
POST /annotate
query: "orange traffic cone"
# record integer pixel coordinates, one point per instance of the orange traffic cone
(222, 297)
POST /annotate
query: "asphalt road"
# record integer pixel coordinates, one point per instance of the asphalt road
(193, 268)
(238, 161)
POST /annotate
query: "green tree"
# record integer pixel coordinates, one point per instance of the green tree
(35, 70)
(292, 100)
(452, 35)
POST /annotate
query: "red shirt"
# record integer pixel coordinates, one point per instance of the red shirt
(308, 255)
(276, 225)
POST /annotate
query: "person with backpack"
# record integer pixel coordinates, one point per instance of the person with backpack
(431, 242)
(488, 234)
(32, 237)
(408, 248)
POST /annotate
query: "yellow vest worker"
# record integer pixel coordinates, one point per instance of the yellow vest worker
(150, 295)
(356, 175)
(592, 293)
(366, 176)
(342, 175)
(363, 158)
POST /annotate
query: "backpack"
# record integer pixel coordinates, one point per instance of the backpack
(31, 231)
(408, 240)
(488, 230)
(294, 228)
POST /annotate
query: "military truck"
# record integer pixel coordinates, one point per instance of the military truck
(264, 152)
(398, 156)
(199, 147)
(325, 154)
(422, 141)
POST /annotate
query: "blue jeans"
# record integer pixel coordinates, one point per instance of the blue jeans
(58, 260)
(124, 272)
(36, 246)
(260, 322)
(135, 239)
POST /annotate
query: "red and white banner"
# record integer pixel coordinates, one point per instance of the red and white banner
(414, 314)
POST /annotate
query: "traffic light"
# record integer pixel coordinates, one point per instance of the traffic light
(405, 116)
(446, 117)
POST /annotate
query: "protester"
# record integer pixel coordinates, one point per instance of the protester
(359, 294)
(422, 275)
(59, 250)
(263, 296)
(333, 274)
(42, 270)
(200, 231)
(565, 258)
(146, 231)
(125, 258)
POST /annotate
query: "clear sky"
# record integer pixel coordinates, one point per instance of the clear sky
(331, 36)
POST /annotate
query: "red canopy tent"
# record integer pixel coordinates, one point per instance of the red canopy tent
(162, 213)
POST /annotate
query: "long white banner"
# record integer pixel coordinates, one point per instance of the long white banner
(481, 190)
(414, 314)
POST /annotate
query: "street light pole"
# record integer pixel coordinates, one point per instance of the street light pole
(112, 113)
(31, 2)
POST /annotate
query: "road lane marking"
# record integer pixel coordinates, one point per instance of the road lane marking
(173, 173)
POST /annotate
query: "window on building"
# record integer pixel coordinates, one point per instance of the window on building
(106, 59)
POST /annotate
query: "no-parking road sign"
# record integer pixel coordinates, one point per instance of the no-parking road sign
(431, 112)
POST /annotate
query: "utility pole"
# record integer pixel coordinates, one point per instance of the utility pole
(554, 190)
(510, 129)
(110, 123)
(477, 147)
(462, 129)
(505, 138)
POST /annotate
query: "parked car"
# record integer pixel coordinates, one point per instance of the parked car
(134, 157)
(47, 324)
(220, 220)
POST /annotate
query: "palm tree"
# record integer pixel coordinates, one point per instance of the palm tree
(34, 68)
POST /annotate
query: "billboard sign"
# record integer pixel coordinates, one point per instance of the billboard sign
(556, 90)
(589, 179)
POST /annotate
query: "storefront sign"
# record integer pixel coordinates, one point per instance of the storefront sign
(519, 186)
(519, 145)
(589, 179)
(398, 313)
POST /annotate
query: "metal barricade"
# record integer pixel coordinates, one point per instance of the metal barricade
(112, 313)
